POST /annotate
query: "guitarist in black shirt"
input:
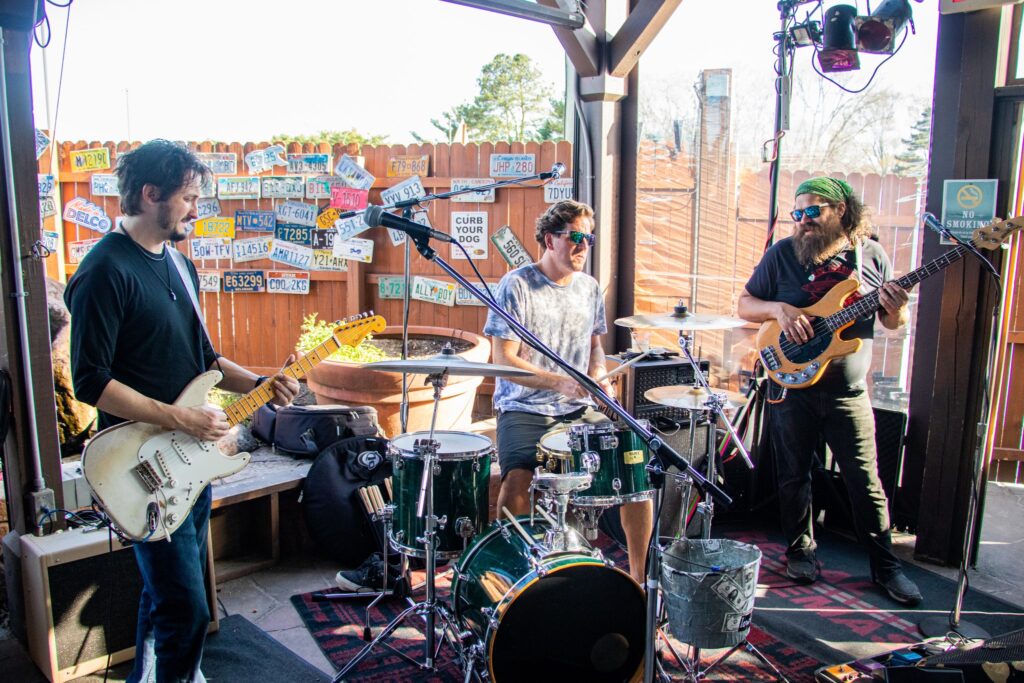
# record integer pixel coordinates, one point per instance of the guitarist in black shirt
(136, 342)
(829, 245)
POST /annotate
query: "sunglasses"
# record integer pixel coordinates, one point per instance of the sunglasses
(577, 237)
(812, 211)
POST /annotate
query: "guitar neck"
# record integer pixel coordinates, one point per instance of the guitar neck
(250, 403)
(870, 303)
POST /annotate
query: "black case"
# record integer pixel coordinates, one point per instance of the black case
(304, 431)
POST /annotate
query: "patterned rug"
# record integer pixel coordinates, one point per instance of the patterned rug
(337, 628)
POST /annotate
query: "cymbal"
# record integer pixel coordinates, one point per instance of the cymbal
(684, 321)
(691, 398)
(452, 364)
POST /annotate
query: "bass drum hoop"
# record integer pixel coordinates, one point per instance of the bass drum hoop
(516, 591)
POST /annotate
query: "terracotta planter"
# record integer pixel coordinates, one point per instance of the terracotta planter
(348, 384)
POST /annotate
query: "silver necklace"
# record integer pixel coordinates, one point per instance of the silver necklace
(149, 258)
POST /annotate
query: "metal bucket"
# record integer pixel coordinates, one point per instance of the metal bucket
(709, 588)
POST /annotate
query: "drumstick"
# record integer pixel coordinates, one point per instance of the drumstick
(623, 366)
(366, 500)
(387, 485)
(375, 495)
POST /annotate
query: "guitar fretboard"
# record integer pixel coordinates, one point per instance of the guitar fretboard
(870, 302)
(250, 403)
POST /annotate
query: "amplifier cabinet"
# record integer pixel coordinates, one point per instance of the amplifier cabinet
(81, 592)
(651, 374)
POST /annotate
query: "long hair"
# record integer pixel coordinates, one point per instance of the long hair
(857, 220)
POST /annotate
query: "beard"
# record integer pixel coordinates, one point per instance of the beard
(819, 243)
(172, 229)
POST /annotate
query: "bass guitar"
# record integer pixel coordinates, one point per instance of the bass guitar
(793, 365)
(147, 478)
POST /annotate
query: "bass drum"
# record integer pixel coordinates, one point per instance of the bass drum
(566, 616)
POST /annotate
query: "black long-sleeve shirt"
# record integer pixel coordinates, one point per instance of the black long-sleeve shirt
(126, 326)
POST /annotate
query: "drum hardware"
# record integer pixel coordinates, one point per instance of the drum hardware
(588, 517)
(555, 490)
(433, 612)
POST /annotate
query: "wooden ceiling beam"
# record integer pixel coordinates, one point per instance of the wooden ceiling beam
(636, 34)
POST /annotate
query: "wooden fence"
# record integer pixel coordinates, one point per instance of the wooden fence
(259, 330)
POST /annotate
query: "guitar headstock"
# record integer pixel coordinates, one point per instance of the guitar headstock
(991, 236)
(355, 328)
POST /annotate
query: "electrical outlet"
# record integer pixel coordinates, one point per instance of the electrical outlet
(39, 501)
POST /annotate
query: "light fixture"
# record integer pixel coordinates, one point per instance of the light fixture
(524, 9)
(839, 43)
(877, 33)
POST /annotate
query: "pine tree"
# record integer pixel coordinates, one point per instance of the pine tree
(913, 161)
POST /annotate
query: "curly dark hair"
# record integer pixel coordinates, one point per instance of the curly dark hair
(166, 165)
(856, 221)
(559, 215)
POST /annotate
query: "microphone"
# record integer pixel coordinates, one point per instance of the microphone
(556, 171)
(376, 217)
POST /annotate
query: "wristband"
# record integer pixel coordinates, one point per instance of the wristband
(260, 380)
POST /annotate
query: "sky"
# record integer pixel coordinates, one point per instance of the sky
(244, 70)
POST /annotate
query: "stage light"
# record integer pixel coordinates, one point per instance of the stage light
(806, 34)
(839, 44)
(878, 33)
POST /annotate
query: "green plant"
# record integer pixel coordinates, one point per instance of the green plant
(316, 332)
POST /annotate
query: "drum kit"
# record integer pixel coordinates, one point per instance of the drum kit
(530, 596)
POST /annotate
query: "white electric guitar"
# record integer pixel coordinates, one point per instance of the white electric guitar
(147, 478)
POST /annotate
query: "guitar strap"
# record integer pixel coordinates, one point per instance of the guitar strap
(179, 262)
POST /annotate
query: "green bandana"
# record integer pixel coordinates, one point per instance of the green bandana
(830, 188)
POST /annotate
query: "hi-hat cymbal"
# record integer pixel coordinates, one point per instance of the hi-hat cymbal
(450, 363)
(684, 321)
(691, 398)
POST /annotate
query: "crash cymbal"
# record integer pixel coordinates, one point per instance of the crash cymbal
(453, 364)
(685, 321)
(691, 398)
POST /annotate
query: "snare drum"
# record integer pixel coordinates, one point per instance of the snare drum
(461, 493)
(562, 616)
(553, 452)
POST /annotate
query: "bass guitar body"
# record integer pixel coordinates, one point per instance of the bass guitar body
(146, 478)
(797, 366)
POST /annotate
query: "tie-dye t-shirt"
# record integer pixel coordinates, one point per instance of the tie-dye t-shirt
(564, 317)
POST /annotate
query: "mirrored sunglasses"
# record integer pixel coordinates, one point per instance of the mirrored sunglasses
(812, 211)
(577, 237)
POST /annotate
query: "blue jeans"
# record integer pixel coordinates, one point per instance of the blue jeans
(173, 611)
(844, 419)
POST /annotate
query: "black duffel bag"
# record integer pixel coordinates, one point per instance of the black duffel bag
(335, 516)
(305, 431)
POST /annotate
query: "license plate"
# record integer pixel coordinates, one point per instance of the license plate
(349, 198)
(410, 188)
(353, 174)
(251, 249)
(103, 185)
(325, 260)
(258, 221)
(290, 254)
(558, 190)
(244, 281)
(408, 164)
(78, 250)
(283, 187)
(241, 187)
(513, 165)
(433, 291)
(296, 213)
(210, 248)
(462, 183)
(209, 280)
(355, 249)
(281, 282)
(207, 207)
(510, 248)
(309, 164)
(297, 234)
(347, 228)
(463, 297)
(221, 163)
(215, 227)
(391, 287)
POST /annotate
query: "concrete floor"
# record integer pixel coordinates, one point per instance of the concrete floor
(264, 597)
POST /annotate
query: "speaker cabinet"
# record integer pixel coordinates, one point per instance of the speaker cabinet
(81, 602)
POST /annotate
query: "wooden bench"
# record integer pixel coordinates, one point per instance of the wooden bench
(245, 523)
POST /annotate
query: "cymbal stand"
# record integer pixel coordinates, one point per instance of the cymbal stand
(715, 407)
(430, 609)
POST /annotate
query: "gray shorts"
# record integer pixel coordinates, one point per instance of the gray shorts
(520, 432)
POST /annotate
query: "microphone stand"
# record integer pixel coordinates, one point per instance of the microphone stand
(936, 625)
(663, 454)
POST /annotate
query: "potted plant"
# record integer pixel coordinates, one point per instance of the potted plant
(341, 380)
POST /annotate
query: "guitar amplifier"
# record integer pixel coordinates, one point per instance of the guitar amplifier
(650, 373)
(81, 604)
